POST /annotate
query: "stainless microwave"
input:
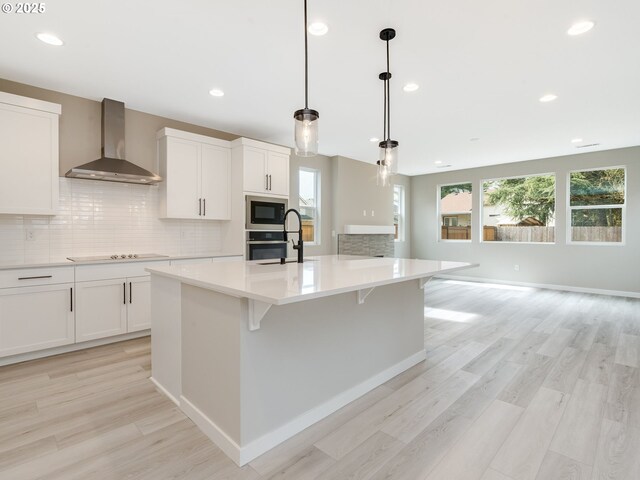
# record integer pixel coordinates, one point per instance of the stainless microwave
(265, 213)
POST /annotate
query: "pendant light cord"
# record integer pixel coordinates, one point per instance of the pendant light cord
(306, 60)
(384, 128)
(388, 95)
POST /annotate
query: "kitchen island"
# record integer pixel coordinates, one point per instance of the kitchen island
(255, 352)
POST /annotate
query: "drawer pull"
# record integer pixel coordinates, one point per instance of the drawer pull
(34, 278)
(71, 298)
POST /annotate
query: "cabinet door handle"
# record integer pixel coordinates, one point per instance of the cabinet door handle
(269, 182)
(200, 207)
(124, 293)
(130, 293)
(204, 207)
(34, 278)
(266, 182)
(71, 298)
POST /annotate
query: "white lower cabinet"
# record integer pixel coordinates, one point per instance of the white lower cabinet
(34, 318)
(101, 309)
(139, 304)
(112, 307)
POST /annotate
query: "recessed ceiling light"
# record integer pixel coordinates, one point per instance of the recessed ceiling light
(576, 140)
(49, 39)
(474, 139)
(438, 162)
(374, 139)
(318, 29)
(411, 87)
(580, 27)
(216, 92)
(550, 97)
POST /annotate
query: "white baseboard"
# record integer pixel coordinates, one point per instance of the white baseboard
(23, 357)
(165, 391)
(244, 454)
(568, 288)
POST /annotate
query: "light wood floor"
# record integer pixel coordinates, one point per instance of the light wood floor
(518, 384)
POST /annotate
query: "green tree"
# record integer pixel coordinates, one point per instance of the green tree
(597, 187)
(459, 188)
(524, 197)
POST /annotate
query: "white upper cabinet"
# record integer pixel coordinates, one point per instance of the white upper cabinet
(28, 155)
(197, 176)
(265, 166)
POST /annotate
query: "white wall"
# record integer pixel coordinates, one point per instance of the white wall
(613, 267)
(98, 218)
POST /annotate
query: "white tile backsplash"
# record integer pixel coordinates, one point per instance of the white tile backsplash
(97, 218)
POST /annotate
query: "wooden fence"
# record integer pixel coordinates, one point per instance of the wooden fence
(526, 234)
(464, 233)
(596, 234)
(308, 231)
(534, 234)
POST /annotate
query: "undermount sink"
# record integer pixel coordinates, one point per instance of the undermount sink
(292, 260)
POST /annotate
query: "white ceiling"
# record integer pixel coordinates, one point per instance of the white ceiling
(481, 67)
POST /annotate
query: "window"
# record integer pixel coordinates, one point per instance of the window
(597, 205)
(309, 203)
(454, 205)
(520, 209)
(398, 212)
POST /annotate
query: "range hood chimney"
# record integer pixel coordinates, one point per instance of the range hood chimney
(112, 166)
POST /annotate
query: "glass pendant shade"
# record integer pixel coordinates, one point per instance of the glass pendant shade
(383, 178)
(306, 132)
(389, 155)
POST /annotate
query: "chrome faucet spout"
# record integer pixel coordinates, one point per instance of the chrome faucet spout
(300, 246)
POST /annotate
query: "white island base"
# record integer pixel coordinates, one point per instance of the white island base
(249, 385)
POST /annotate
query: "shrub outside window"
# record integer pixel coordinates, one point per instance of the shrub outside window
(597, 205)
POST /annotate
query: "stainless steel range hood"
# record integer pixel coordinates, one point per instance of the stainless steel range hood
(112, 166)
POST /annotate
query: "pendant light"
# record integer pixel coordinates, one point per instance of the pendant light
(306, 119)
(388, 159)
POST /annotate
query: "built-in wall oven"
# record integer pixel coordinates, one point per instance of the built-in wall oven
(265, 244)
(264, 213)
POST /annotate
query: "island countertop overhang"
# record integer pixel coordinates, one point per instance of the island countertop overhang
(319, 276)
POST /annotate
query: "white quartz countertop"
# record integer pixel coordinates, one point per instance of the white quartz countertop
(62, 262)
(317, 277)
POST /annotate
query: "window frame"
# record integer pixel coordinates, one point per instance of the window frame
(555, 211)
(570, 208)
(317, 229)
(401, 213)
(439, 214)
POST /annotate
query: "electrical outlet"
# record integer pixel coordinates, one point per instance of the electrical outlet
(373, 213)
(333, 233)
(364, 213)
(30, 235)
(516, 268)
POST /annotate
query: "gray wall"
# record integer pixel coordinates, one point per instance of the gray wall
(348, 187)
(612, 267)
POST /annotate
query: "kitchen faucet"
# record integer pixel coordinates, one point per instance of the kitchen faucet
(299, 246)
